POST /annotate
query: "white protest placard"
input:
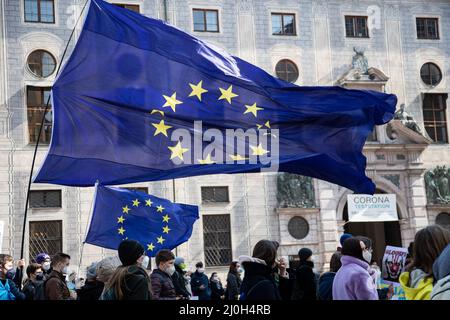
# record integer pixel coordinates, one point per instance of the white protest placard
(393, 264)
(367, 208)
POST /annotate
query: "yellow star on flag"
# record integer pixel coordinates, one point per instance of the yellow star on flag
(161, 240)
(148, 203)
(121, 230)
(161, 127)
(207, 160)
(120, 219)
(259, 150)
(253, 109)
(157, 111)
(171, 101)
(197, 90)
(267, 124)
(166, 229)
(125, 209)
(150, 246)
(159, 208)
(237, 157)
(177, 151)
(227, 94)
(136, 203)
(166, 218)
(259, 126)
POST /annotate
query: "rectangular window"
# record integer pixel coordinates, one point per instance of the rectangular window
(217, 240)
(141, 189)
(206, 20)
(435, 121)
(132, 7)
(215, 194)
(39, 11)
(37, 98)
(45, 236)
(45, 199)
(283, 24)
(356, 27)
(427, 28)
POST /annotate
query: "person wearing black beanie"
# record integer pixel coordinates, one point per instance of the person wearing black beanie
(305, 282)
(130, 281)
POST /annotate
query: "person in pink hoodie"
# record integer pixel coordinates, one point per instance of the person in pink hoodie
(353, 280)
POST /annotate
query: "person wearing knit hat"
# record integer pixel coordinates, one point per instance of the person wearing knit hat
(344, 237)
(44, 260)
(130, 277)
(130, 251)
(305, 283)
(178, 278)
(92, 288)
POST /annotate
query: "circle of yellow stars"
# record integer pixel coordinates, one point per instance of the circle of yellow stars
(197, 90)
(148, 203)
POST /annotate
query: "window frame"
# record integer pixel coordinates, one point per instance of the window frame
(354, 24)
(39, 13)
(204, 11)
(28, 107)
(46, 207)
(123, 5)
(214, 202)
(436, 19)
(433, 123)
(294, 64)
(44, 220)
(428, 63)
(282, 14)
(42, 76)
(207, 264)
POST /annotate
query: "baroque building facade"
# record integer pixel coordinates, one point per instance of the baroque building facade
(395, 46)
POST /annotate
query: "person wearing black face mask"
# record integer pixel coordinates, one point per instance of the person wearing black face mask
(35, 278)
(305, 283)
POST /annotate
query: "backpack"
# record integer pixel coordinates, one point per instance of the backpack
(39, 291)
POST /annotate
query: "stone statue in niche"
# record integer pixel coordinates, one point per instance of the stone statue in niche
(407, 120)
(359, 61)
(437, 185)
(295, 191)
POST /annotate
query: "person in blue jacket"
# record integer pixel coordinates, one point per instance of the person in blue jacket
(8, 289)
(200, 283)
(326, 279)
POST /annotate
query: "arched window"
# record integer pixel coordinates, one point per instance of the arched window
(41, 63)
(286, 70)
(430, 74)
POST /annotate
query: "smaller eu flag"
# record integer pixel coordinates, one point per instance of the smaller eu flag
(156, 223)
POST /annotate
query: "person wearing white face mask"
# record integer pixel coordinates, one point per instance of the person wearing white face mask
(353, 281)
(44, 260)
(162, 285)
(55, 287)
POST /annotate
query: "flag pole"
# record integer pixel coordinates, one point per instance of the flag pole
(39, 137)
(87, 226)
(174, 199)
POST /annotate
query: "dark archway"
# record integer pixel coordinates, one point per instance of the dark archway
(382, 233)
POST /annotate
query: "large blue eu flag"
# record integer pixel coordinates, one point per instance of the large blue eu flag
(140, 100)
(156, 223)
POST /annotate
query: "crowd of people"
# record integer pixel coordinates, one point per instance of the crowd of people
(352, 275)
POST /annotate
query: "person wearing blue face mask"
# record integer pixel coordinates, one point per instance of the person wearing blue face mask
(8, 289)
(35, 278)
